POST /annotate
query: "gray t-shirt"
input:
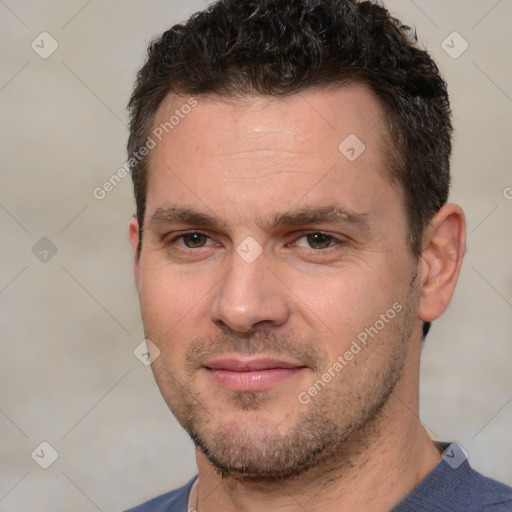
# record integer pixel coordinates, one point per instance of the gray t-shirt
(452, 486)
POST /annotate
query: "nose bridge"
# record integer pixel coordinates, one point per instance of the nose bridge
(248, 295)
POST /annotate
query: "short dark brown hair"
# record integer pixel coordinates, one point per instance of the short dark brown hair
(282, 47)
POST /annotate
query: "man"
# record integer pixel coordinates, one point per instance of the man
(292, 243)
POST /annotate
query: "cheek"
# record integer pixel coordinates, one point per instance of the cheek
(165, 310)
(175, 308)
(345, 303)
(164, 300)
(155, 295)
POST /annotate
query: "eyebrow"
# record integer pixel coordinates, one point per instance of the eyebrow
(331, 214)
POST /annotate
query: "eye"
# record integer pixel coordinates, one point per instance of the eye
(317, 240)
(191, 240)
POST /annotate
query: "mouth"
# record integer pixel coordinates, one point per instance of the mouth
(251, 374)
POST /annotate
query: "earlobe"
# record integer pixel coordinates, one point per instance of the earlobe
(444, 244)
(134, 235)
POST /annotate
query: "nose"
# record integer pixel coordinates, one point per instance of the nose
(250, 296)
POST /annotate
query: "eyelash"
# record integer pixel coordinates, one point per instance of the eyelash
(335, 241)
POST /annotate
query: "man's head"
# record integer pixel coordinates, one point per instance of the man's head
(278, 48)
(297, 168)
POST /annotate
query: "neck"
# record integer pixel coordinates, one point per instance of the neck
(379, 467)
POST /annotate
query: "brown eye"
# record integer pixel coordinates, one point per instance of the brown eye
(194, 240)
(319, 240)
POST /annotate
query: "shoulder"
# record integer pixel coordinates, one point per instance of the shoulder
(473, 490)
(455, 486)
(173, 501)
(488, 494)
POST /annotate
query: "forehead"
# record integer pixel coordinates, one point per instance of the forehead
(319, 115)
(240, 151)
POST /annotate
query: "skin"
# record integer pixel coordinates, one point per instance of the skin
(243, 164)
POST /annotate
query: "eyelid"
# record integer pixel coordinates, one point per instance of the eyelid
(337, 239)
(177, 236)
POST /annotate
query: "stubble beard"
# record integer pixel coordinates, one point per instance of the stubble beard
(338, 422)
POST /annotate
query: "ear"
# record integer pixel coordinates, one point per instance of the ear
(444, 245)
(134, 234)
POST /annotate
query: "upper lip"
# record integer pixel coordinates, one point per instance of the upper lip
(238, 364)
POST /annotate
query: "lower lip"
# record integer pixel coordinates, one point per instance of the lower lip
(254, 380)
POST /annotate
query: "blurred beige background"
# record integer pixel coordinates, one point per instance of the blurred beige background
(68, 308)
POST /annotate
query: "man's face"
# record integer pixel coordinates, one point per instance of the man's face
(267, 252)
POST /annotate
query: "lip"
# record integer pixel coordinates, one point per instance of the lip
(251, 374)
